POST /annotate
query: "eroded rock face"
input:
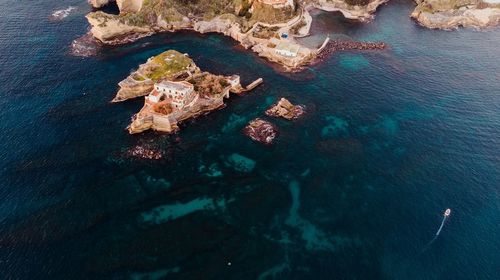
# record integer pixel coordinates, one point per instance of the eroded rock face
(98, 3)
(451, 14)
(129, 6)
(125, 6)
(110, 30)
(141, 82)
(182, 92)
(286, 110)
(261, 131)
(362, 11)
(132, 89)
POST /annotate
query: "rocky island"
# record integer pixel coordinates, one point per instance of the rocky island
(261, 131)
(286, 110)
(176, 90)
(267, 27)
(451, 14)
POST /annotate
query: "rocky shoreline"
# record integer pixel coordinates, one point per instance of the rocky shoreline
(176, 90)
(356, 12)
(140, 82)
(451, 14)
(261, 131)
(285, 109)
(271, 38)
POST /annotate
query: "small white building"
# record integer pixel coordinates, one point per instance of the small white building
(287, 49)
(179, 93)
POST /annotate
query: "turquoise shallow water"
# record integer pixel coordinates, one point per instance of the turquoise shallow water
(353, 190)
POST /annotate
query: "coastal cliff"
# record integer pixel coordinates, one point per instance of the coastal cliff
(170, 65)
(361, 10)
(98, 3)
(124, 5)
(129, 6)
(451, 14)
(176, 90)
(266, 27)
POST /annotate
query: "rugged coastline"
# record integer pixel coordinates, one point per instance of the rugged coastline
(451, 14)
(268, 28)
(361, 10)
(176, 90)
(285, 109)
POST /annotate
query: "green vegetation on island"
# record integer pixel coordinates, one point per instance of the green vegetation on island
(171, 11)
(168, 64)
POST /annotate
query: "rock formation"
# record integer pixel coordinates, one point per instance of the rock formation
(285, 109)
(261, 131)
(361, 10)
(176, 90)
(451, 14)
(168, 65)
(129, 6)
(98, 3)
(268, 27)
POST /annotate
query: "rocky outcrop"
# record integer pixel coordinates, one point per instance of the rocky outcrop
(99, 3)
(131, 88)
(257, 25)
(363, 11)
(451, 14)
(286, 110)
(125, 6)
(166, 105)
(147, 119)
(110, 30)
(144, 152)
(261, 131)
(168, 65)
(129, 6)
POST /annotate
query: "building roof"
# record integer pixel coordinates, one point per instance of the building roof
(287, 46)
(183, 85)
(155, 93)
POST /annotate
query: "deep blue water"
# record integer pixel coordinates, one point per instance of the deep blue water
(354, 190)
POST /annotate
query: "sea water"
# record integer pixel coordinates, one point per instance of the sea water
(352, 190)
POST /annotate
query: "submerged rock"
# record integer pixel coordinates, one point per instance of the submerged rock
(261, 131)
(286, 110)
(62, 14)
(85, 46)
(144, 152)
(240, 163)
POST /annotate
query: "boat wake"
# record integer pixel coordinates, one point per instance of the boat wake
(62, 14)
(445, 216)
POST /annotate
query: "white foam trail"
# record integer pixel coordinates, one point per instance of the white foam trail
(441, 227)
(61, 14)
(436, 236)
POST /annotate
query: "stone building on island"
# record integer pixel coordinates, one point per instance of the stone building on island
(179, 94)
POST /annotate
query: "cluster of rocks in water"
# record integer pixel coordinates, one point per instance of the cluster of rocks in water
(261, 131)
(334, 46)
(144, 153)
(85, 46)
(264, 131)
(286, 110)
